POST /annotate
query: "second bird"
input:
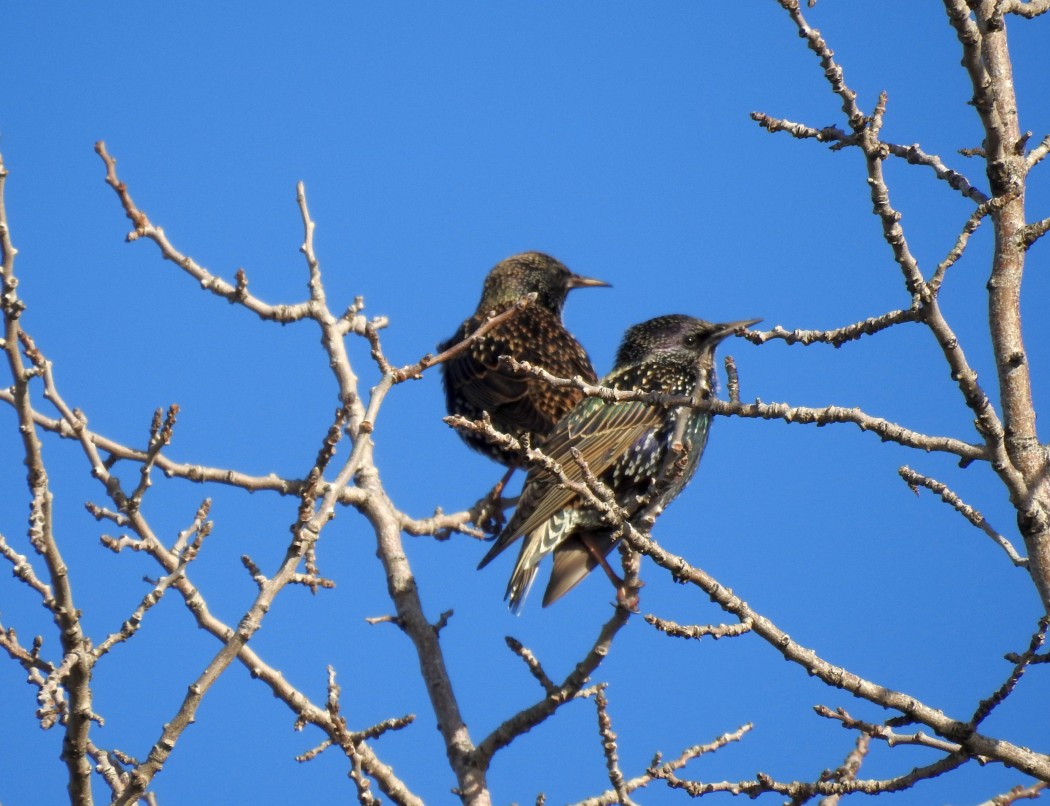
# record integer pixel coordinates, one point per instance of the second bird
(629, 445)
(518, 403)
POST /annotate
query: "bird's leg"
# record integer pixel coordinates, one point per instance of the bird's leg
(489, 510)
(497, 491)
(623, 599)
(599, 557)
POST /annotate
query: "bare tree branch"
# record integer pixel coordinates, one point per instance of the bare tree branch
(612, 759)
(847, 771)
(838, 336)
(916, 480)
(1030, 9)
(1021, 462)
(76, 663)
(886, 430)
(660, 768)
(972, 743)
(804, 790)
(913, 154)
(885, 733)
(698, 631)
(570, 688)
(1019, 792)
(985, 708)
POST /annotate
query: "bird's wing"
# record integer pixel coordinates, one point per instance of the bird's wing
(477, 375)
(602, 432)
(529, 402)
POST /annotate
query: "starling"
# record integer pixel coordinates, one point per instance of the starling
(517, 403)
(644, 453)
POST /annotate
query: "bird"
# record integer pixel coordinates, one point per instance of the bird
(644, 453)
(517, 403)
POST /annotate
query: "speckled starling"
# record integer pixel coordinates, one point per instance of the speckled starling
(517, 403)
(630, 446)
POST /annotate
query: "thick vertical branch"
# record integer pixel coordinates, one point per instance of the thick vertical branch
(986, 57)
(401, 585)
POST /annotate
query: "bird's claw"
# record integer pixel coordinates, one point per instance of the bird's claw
(628, 599)
(488, 514)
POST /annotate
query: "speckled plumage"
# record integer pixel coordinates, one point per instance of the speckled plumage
(518, 404)
(627, 445)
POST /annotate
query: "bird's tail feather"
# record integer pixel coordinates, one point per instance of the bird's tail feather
(518, 587)
(534, 548)
(573, 561)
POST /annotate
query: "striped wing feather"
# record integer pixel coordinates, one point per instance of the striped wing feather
(602, 433)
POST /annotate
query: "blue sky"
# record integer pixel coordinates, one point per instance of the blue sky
(434, 141)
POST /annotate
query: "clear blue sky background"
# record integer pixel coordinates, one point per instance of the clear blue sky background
(434, 140)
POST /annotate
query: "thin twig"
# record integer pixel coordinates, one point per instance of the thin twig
(1021, 663)
(612, 759)
(838, 336)
(698, 631)
(916, 480)
(913, 154)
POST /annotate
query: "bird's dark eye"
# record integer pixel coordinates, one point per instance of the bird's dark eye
(692, 340)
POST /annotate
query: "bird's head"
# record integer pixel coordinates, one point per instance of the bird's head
(532, 273)
(676, 338)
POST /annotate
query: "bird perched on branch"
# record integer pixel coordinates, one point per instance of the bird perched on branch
(643, 453)
(518, 403)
